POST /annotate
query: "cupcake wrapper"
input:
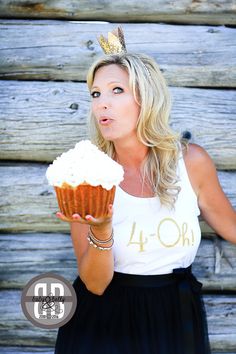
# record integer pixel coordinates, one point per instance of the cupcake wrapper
(84, 199)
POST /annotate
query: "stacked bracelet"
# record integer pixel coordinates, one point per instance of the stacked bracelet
(101, 248)
(93, 241)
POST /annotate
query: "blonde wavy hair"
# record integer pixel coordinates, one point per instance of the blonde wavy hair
(151, 93)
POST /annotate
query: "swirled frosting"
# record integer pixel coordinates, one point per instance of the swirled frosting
(85, 164)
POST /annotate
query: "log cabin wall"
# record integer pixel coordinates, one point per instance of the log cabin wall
(45, 50)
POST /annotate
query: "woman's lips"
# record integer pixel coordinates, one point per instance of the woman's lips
(104, 120)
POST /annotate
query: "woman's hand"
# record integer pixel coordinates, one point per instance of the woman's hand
(89, 219)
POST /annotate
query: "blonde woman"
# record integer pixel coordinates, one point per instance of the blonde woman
(140, 296)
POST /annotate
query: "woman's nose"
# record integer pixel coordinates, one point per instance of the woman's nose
(103, 102)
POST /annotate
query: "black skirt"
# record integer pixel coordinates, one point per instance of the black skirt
(138, 314)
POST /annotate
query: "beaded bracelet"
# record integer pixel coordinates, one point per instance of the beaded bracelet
(96, 240)
(92, 243)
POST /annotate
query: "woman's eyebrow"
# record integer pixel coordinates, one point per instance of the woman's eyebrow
(109, 83)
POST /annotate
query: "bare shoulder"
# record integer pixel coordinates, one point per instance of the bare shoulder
(196, 153)
(198, 164)
(214, 205)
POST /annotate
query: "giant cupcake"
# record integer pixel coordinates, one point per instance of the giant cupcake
(85, 180)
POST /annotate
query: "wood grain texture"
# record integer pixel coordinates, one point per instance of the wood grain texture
(45, 350)
(40, 120)
(28, 204)
(63, 50)
(31, 350)
(198, 12)
(17, 330)
(24, 256)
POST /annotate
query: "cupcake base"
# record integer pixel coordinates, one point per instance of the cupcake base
(84, 200)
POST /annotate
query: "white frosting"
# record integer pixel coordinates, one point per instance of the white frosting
(85, 164)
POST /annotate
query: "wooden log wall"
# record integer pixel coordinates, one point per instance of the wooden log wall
(192, 12)
(46, 48)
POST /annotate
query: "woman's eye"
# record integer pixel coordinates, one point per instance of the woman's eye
(95, 94)
(118, 90)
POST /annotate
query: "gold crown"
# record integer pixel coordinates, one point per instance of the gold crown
(115, 42)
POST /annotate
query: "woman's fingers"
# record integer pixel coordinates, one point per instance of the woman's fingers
(110, 210)
(89, 219)
(99, 221)
(74, 218)
(61, 216)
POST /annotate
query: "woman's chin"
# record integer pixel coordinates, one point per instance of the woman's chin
(109, 137)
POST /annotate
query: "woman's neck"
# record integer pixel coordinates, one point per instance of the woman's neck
(131, 157)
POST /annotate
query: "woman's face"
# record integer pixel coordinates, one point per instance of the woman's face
(113, 104)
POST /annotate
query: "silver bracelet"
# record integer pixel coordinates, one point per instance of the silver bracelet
(92, 243)
(96, 240)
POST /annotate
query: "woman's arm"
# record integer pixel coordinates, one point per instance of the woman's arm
(95, 267)
(215, 207)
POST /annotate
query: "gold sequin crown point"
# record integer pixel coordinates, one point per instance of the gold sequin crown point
(115, 42)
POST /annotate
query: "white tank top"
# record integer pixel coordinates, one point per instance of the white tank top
(150, 238)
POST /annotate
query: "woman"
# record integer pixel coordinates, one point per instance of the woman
(140, 296)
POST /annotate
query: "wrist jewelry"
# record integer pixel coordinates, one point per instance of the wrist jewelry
(101, 248)
(96, 240)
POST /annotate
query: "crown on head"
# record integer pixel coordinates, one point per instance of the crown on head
(115, 42)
